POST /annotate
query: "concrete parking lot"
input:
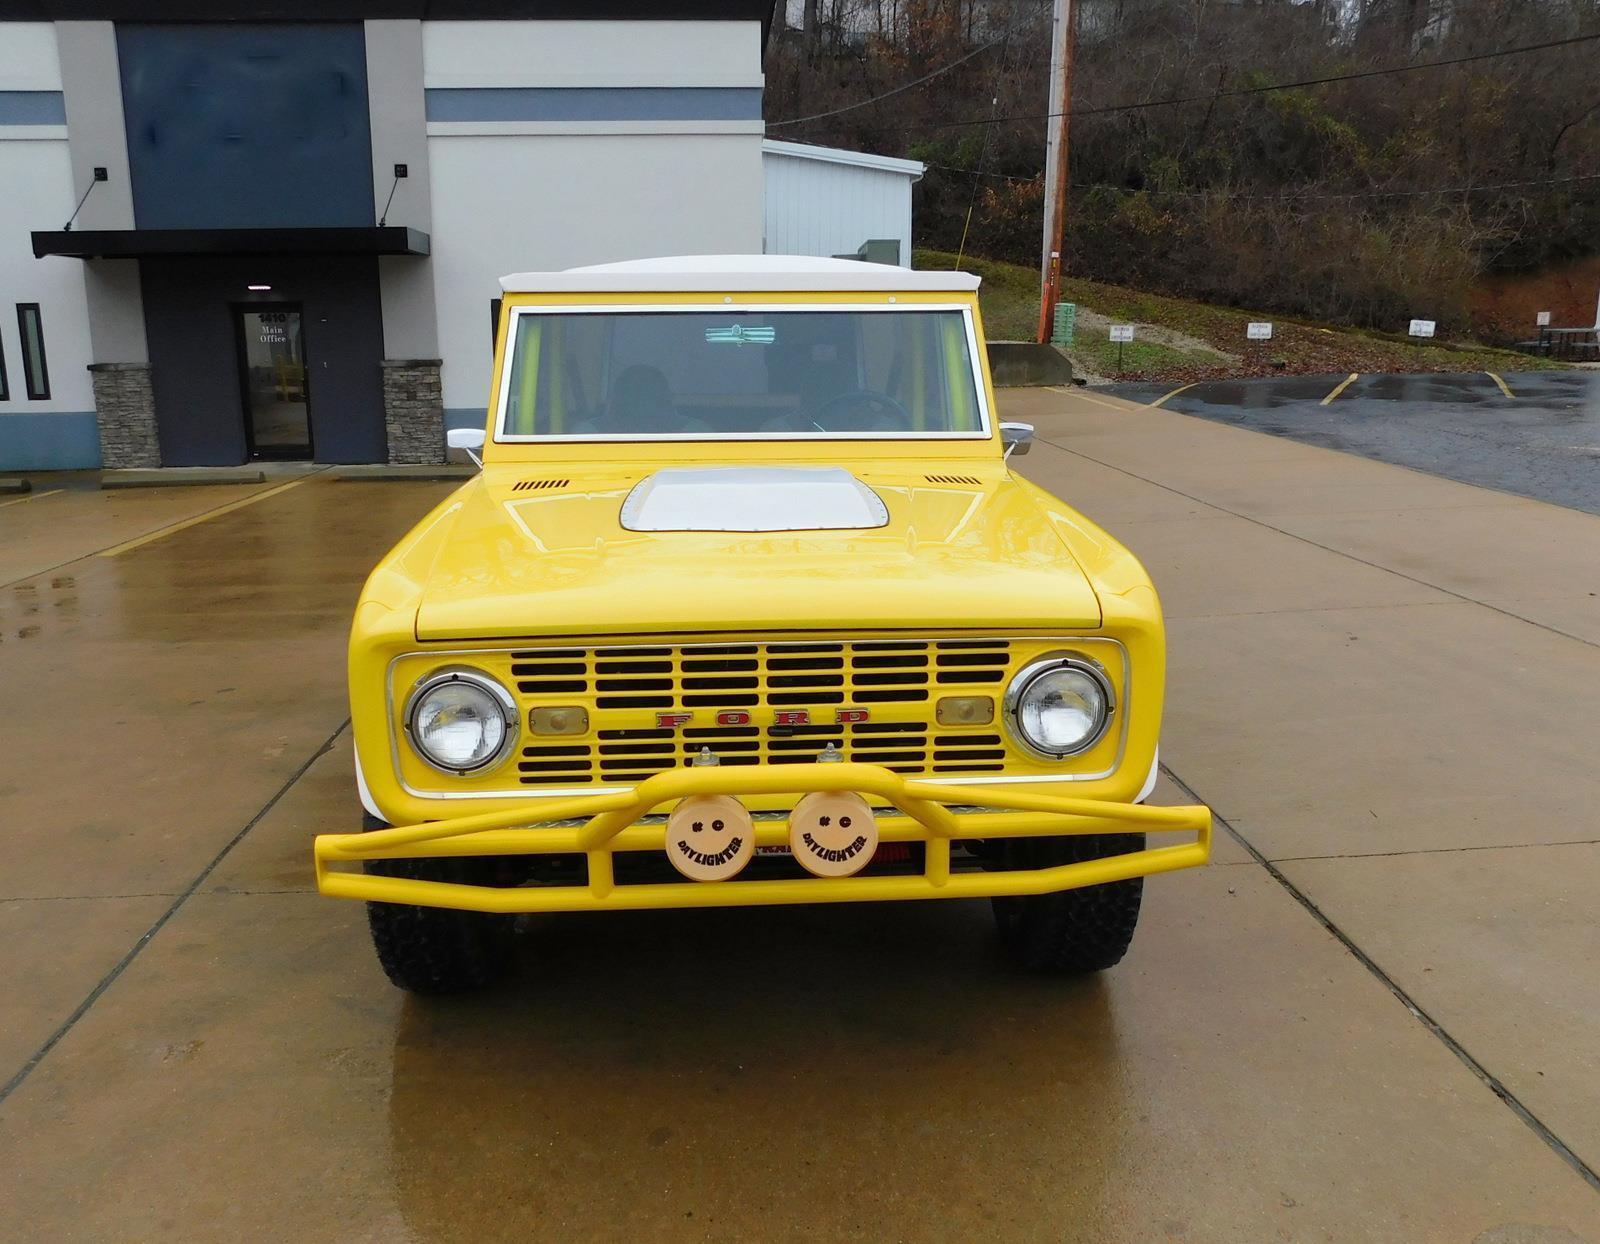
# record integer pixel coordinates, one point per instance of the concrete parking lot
(1375, 1017)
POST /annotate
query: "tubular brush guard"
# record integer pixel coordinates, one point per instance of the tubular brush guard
(922, 814)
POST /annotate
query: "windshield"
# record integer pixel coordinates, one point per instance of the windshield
(698, 375)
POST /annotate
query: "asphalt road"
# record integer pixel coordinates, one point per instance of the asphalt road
(1375, 1017)
(1541, 439)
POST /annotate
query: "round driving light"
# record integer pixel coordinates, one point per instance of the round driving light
(460, 720)
(1059, 707)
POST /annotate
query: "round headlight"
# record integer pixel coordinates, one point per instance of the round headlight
(1059, 706)
(460, 720)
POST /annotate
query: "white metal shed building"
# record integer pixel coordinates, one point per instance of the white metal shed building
(824, 201)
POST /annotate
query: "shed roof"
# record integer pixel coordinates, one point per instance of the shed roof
(838, 155)
(729, 273)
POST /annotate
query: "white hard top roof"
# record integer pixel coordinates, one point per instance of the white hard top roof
(728, 273)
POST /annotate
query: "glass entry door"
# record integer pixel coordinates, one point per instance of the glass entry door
(272, 363)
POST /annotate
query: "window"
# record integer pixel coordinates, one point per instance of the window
(742, 373)
(35, 375)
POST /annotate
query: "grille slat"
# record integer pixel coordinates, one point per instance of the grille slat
(623, 689)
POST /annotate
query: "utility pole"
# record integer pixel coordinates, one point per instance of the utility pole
(1062, 30)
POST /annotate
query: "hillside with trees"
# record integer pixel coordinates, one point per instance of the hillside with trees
(1399, 188)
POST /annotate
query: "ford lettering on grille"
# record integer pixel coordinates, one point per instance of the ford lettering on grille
(782, 717)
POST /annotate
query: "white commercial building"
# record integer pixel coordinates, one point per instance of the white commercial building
(286, 236)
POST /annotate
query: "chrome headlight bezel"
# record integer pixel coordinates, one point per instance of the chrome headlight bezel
(484, 682)
(1029, 674)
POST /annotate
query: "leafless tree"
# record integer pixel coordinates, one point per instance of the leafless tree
(1346, 199)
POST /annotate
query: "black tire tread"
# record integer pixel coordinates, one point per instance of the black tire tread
(438, 950)
(1073, 932)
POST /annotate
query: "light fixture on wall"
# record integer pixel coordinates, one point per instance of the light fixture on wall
(98, 175)
(259, 289)
(401, 172)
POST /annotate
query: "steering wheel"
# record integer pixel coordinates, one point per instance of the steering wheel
(879, 412)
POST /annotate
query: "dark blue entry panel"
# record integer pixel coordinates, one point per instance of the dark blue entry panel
(189, 313)
(247, 127)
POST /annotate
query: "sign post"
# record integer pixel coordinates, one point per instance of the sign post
(1121, 334)
(1257, 330)
(1420, 330)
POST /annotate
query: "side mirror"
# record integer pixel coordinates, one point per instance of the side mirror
(1016, 437)
(469, 439)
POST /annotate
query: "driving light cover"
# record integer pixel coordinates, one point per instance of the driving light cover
(460, 720)
(1059, 706)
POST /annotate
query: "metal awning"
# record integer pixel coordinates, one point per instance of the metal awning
(152, 243)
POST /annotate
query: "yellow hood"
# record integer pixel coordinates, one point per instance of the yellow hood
(554, 558)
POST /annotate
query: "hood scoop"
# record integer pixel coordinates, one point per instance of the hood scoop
(752, 499)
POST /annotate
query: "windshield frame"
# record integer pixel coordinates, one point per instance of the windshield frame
(985, 432)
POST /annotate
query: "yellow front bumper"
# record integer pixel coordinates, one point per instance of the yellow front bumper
(924, 812)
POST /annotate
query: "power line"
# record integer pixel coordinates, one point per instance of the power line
(1283, 196)
(899, 90)
(983, 150)
(1142, 105)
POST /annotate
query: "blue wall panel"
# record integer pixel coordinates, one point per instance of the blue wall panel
(49, 441)
(247, 127)
(33, 108)
(580, 103)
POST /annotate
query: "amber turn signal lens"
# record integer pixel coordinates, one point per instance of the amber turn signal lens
(571, 720)
(964, 710)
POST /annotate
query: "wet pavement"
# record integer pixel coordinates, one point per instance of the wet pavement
(1375, 1017)
(1538, 436)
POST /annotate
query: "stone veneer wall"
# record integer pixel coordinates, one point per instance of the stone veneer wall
(125, 409)
(413, 410)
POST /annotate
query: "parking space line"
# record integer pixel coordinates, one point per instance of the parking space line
(1504, 387)
(32, 496)
(1089, 397)
(1153, 405)
(1341, 387)
(127, 546)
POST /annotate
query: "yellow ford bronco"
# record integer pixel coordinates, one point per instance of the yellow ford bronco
(747, 606)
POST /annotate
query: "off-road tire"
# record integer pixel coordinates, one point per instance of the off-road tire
(436, 950)
(1075, 931)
